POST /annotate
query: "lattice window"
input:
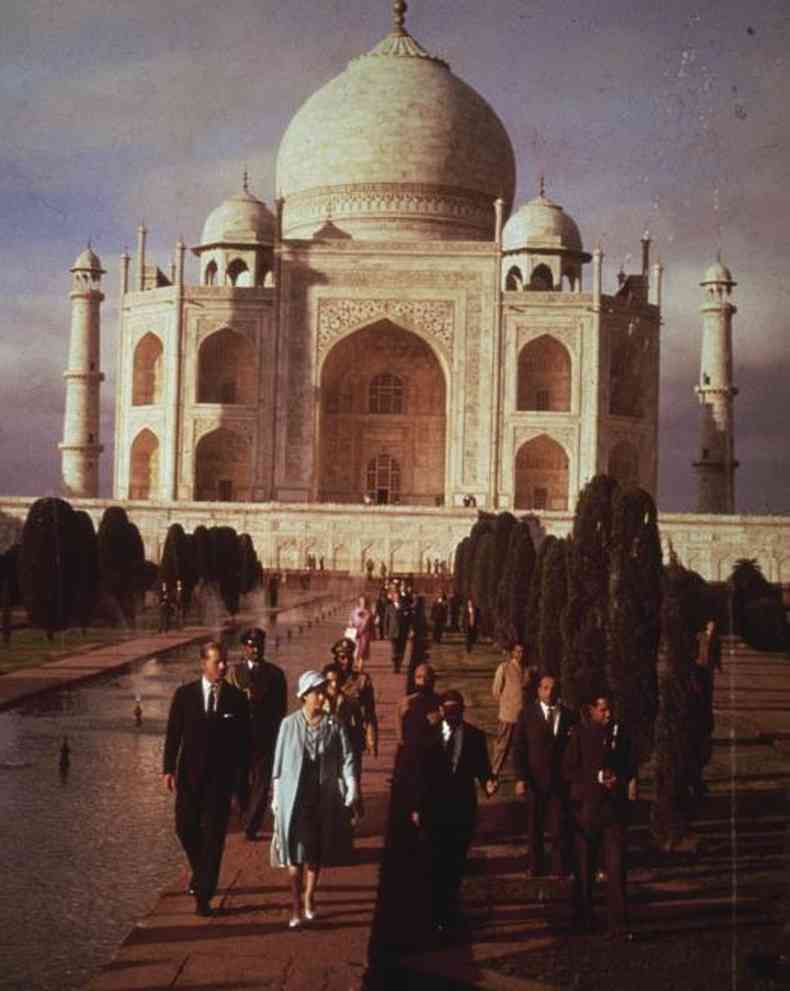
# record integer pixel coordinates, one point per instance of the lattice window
(383, 482)
(386, 394)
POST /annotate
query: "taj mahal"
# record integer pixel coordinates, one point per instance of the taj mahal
(393, 344)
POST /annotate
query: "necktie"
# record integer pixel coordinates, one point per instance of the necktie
(212, 700)
(550, 715)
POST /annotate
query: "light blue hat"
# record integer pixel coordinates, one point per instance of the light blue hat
(308, 681)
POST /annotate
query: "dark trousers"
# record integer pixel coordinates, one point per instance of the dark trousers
(608, 843)
(398, 650)
(470, 639)
(260, 785)
(449, 845)
(201, 825)
(547, 818)
(438, 630)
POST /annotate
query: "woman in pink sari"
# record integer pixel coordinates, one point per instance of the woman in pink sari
(362, 621)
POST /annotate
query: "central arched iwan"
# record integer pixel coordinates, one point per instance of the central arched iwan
(541, 475)
(383, 403)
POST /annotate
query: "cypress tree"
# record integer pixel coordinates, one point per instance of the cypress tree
(173, 565)
(201, 554)
(514, 586)
(553, 599)
(484, 525)
(48, 564)
(682, 614)
(633, 625)
(531, 624)
(226, 558)
(483, 587)
(86, 593)
(248, 570)
(585, 623)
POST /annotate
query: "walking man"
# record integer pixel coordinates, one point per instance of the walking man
(396, 628)
(471, 625)
(508, 689)
(265, 686)
(600, 767)
(439, 617)
(446, 804)
(205, 760)
(540, 739)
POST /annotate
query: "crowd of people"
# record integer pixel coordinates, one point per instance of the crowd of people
(575, 772)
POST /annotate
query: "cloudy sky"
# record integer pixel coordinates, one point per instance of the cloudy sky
(672, 116)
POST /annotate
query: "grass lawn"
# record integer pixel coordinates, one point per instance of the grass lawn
(29, 647)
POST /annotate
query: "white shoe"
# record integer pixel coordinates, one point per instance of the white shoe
(310, 914)
(295, 922)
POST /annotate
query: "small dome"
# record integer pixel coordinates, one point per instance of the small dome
(541, 224)
(88, 260)
(241, 219)
(718, 272)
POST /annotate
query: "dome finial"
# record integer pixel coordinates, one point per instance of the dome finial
(245, 180)
(542, 186)
(399, 8)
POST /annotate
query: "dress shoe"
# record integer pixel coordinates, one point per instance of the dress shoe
(203, 909)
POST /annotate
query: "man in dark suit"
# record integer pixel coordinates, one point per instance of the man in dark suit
(266, 689)
(397, 623)
(438, 617)
(600, 767)
(539, 741)
(445, 804)
(206, 759)
(470, 624)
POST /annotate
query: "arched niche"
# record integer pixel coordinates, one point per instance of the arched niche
(382, 395)
(238, 274)
(222, 467)
(541, 475)
(541, 279)
(147, 371)
(514, 280)
(624, 464)
(226, 369)
(544, 376)
(210, 274)
(144, 466)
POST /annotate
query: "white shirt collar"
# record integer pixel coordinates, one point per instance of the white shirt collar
(206, 685)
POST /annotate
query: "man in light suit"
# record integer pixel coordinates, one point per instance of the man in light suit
(539, 742)
(206, 760)
(265, 686)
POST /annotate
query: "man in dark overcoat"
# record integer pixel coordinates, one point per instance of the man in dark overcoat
(397, 623)
(445, 803)
(599, 765)
(206, 760)
(266, 689)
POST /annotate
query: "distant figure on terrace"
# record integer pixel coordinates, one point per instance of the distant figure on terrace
(361, 620)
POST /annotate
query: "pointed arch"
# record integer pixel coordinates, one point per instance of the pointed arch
(223, 467)
(144, 467)
(514, 280)
(210, 274)
(226, 369)
(541, 279)
(383, 395)
(544, 376)
(624, 464)
(541, 480)
(147, 371)
(238, 274)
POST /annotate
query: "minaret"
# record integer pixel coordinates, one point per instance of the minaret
(80, 447)
(716, 464)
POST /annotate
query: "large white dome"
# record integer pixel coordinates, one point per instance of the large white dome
(396, 147)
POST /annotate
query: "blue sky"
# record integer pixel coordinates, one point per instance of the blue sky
(672, 116)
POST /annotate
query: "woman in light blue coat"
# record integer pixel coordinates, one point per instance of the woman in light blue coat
(314, 788)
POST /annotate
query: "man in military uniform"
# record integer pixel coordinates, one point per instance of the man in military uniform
(265, 686)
